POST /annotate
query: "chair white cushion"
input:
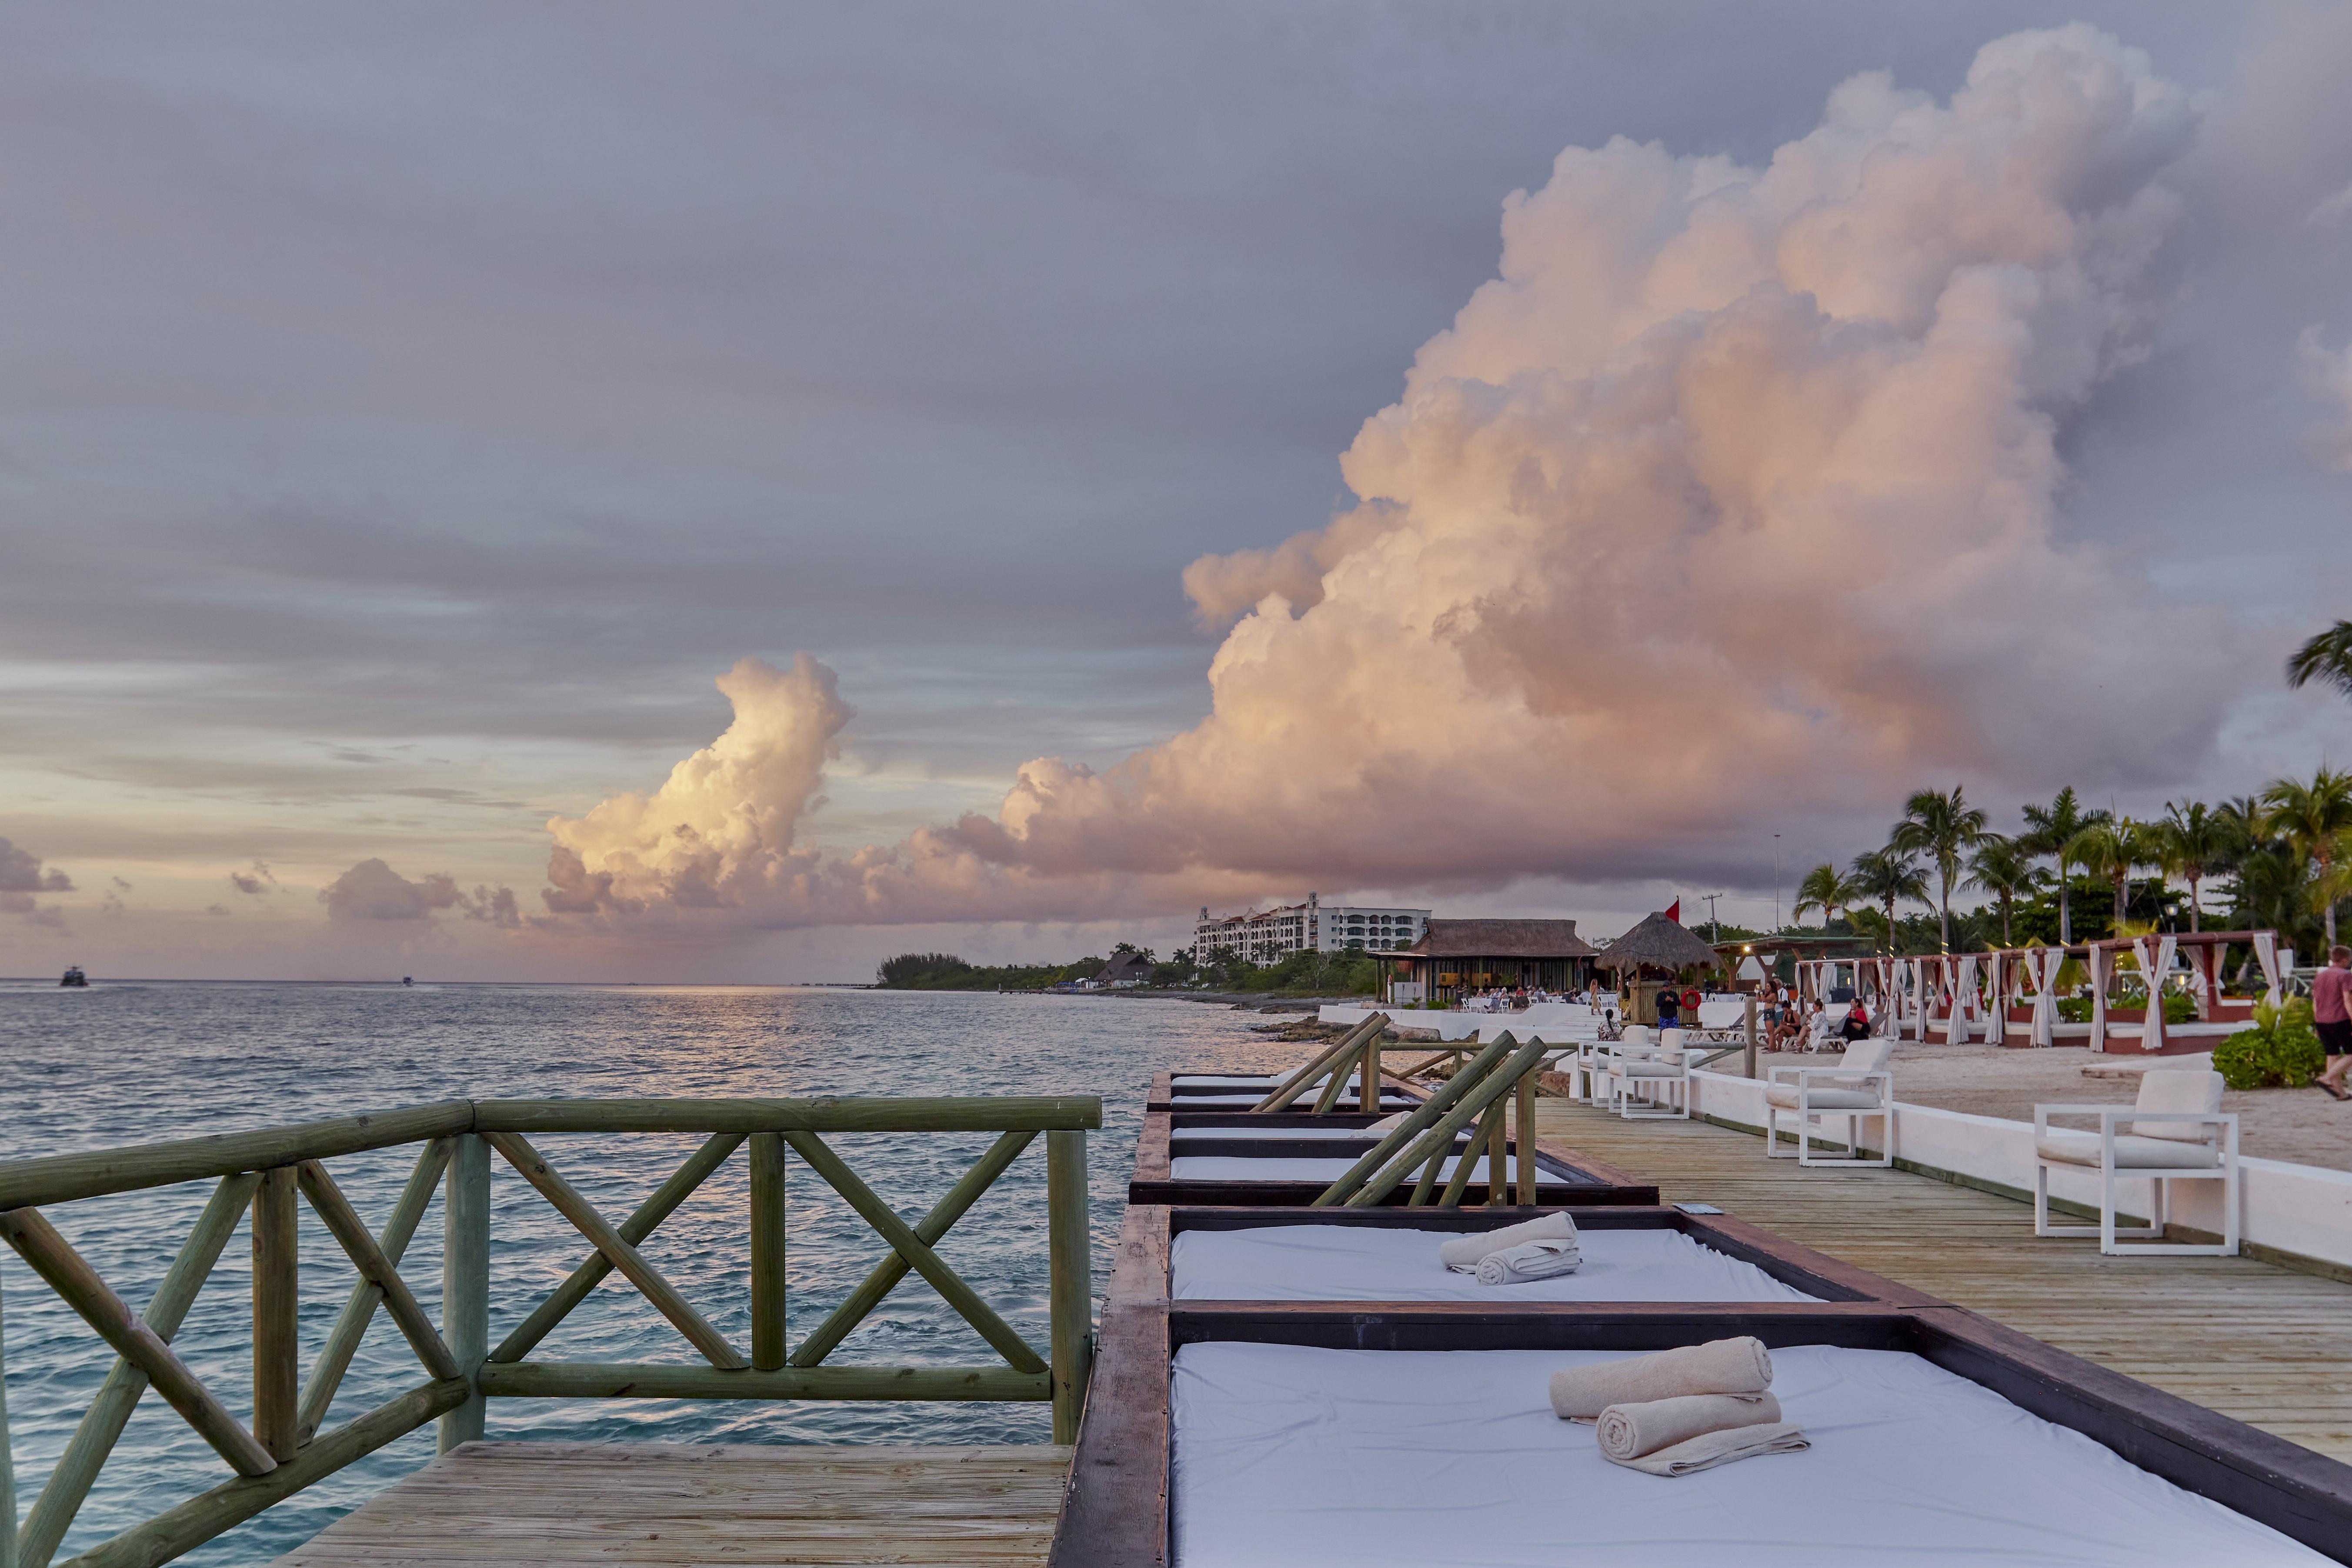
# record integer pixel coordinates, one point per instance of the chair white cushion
(1867, 1055)
(2132, 1151)
(2175, 1088)
(1646, 1069)
(1822, 1098)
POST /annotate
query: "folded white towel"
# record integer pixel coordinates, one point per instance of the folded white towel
(1534, 1260)
(1719, 1366)
(1629, 1431)
(1462, 1254)
(1713, 1448)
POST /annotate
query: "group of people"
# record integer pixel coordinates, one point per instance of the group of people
(1789, 1026)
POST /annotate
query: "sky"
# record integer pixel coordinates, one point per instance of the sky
(729, 492)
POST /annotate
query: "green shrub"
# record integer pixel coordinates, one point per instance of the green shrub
(2281, 1049)
(2178, 1007)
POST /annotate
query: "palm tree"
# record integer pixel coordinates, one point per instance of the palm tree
(1884, 876)
(1939, 826)
(2110, 849)
(2310, 817)
(1826, 889)
(2049, 829)
(1999, 867)
(2193, 842)
(2327, 659)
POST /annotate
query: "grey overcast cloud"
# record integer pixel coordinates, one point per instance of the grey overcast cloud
(732, 492)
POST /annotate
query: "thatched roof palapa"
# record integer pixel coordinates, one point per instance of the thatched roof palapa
(1499, 939)
(1657, 943)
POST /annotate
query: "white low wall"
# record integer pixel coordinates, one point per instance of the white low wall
(2303, 1209)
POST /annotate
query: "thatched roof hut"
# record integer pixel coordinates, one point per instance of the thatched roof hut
(1657, 943)
(1454, 958)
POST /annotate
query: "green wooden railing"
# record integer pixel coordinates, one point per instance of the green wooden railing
(284, 1450)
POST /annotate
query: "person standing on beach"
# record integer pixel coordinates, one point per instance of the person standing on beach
(2331, 989)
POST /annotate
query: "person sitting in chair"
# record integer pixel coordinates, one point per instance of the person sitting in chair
(1855, 1026)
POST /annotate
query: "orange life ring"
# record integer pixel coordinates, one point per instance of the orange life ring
(1690, 1000)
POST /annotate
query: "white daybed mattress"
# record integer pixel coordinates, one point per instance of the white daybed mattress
(1364, 1263)
(1286, 1456)
(1296, 1168)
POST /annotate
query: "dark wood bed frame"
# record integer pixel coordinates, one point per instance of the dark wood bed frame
(1115, 1510)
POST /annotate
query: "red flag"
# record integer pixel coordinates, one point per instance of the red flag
(1674, 911)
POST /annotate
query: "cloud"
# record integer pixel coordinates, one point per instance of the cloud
(21, 877)
(373, 891)
(1735, 496)
(2327, 376)
(248, 883)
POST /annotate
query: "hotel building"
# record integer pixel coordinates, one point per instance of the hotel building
(1264, 936)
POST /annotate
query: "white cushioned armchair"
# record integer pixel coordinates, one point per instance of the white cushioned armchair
(1858, 1089)
(2178, 1132)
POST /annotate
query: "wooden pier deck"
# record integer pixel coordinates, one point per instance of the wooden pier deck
(570, 1505)
(2265, 1344)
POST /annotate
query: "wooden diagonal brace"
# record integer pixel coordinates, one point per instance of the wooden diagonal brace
(68, 1484)
(359, 1310)
(908, 1245)
(567, 1202)
(79, 1286)
(596, 1266)
(351, 1232)
(886, 1274)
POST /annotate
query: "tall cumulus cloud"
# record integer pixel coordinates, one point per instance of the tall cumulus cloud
(1735, 495)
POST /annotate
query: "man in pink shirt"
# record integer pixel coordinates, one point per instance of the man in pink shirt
(2331, 989)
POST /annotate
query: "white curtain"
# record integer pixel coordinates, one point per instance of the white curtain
(1964, 1002)
(2155, 954)
(1997, 1021)
(1919, 978)
(2266, 954)
(2102, 961)
(2041, 966)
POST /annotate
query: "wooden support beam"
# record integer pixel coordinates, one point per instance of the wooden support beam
(927, 1263)
(1527, 1131)
(8, 1538)
(1297, 1083)
(79, 1286)
(633, 1230)
(767, 1251)
(886, 1274)
(1367, 1099)
(1498, 1178)
(1071, 1281)
(343, 1340)
(1481, 1144)
(277, 1314)
(566, 1201)
(1440, 1138)
(53, 1511)
(466, 1279)
(351, 1233)
(1415, 1126)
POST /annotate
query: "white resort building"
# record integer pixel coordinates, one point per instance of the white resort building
(1263, 936)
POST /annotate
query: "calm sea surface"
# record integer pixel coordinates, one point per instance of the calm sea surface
(133, 1063)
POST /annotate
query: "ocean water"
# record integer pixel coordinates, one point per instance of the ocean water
(130, 1063)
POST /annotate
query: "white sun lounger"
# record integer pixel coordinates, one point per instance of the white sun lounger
(1367, 1263)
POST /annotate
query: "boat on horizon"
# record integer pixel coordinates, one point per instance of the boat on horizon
(73, 976)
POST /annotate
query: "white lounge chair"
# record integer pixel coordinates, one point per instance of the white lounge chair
(2178, 1132)
(1859, 1087)
(1662, 1070)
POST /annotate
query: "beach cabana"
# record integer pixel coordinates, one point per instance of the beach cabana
(1654, 952)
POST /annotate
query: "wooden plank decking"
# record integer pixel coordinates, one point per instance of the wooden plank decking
(2265, 1344)
(569, 1505)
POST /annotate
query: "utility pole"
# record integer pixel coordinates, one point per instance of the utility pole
(1776, 882)
(1714, 926)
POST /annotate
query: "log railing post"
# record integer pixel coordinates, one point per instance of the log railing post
(1371, 1096)
(277, 1309)
(1071, 1299)
(767, 1251)
(8, 1469)
(1526, 1116)
(466, 1279)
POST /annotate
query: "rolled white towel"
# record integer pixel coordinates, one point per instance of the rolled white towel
(1462, 1254)
(1710, 1449)
(1630, 1431)
(1531, 1260)
(1719, 1366)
